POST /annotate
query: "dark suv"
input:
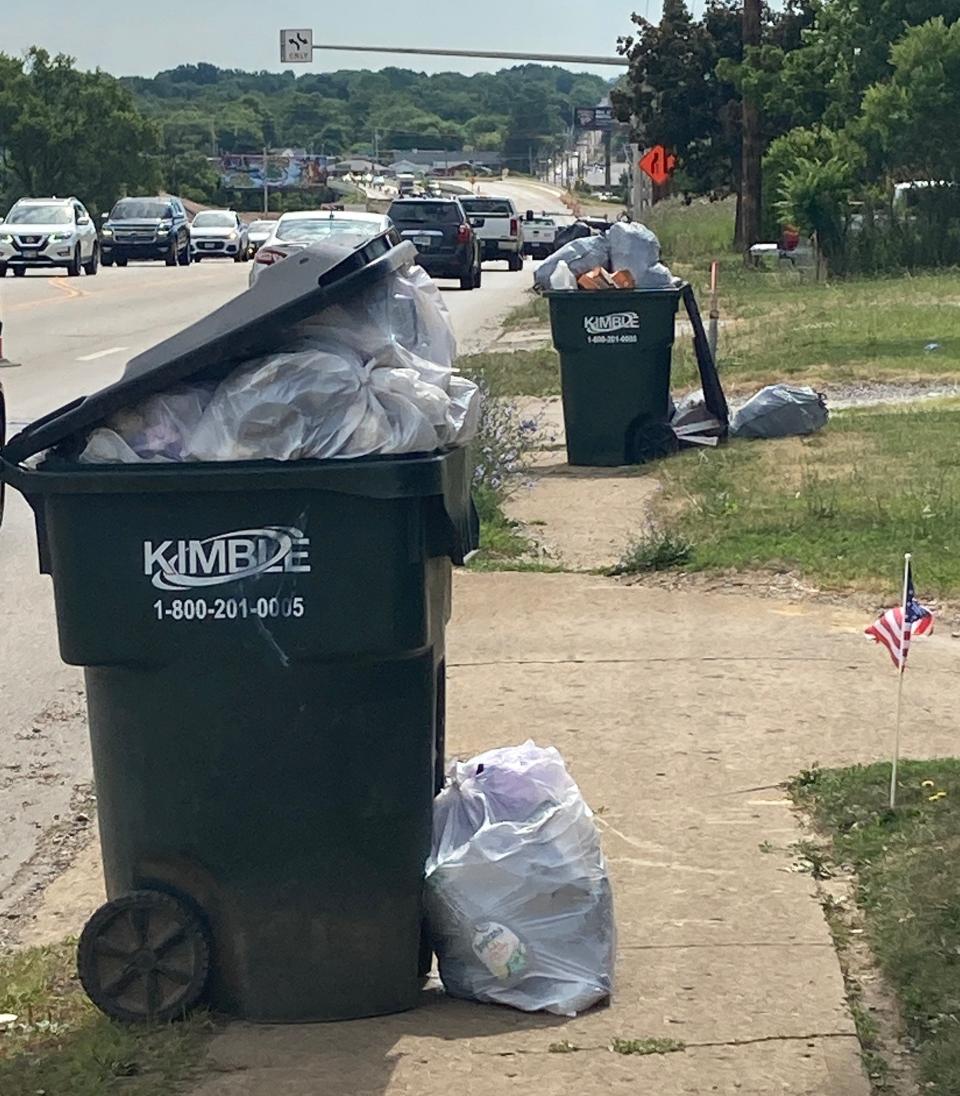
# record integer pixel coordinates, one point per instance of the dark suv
(447, 245)
(146, 228)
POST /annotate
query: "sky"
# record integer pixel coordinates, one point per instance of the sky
(141, 37)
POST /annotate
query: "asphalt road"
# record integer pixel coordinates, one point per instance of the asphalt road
(72, 336)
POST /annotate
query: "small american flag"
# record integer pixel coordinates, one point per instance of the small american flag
(896, 627)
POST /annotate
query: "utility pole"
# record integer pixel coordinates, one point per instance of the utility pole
(266, 184)
(751, 150)
(607, 145)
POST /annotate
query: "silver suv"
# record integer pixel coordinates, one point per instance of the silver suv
(45, 232)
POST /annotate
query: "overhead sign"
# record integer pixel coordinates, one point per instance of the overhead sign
(296, 46)
(594, 117)
(658, 164)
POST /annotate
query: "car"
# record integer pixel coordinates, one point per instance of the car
(447, 244)
(45, 232)
(218, 233)
(154, 227)
(258, 232)
(498, 226)
(295, 231)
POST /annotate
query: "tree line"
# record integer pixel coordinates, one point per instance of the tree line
(853, 97)
(65, 131)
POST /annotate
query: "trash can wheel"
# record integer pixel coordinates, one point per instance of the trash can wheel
(144, 957)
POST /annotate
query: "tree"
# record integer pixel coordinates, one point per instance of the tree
(902, 124)
(71, 132)
(675, 95)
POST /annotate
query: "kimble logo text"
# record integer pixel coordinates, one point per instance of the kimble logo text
(229, 557)
(616, 321)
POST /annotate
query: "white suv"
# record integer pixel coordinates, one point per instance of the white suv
(45, 232)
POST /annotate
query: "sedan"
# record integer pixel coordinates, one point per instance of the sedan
(295, 231)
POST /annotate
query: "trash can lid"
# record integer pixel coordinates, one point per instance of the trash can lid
(250, 324)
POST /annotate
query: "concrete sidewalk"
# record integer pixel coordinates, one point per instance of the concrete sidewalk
(679, 714)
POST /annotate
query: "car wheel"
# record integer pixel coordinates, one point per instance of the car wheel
(106, 260)
(19, 271)
(196, 259)
(94, 264)
(121, 262)
(515, 263)
(172, 254)
(3, 270)
(468, 281)
(477, 277)
(185, 257)
(73, 267)
(238, 258)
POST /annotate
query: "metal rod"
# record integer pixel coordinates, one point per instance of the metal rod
(569, 58)
(896, 742)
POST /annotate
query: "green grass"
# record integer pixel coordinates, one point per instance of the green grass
(515, 373)
(534, 312)
(907, 864)
(840, 507)
(786, 326)
(61, 1045)
(659, 550)
(647, 1046)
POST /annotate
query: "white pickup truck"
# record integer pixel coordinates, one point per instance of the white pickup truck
(539, 235)
(498, 227)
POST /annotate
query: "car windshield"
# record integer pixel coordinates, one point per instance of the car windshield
(426, 213)
(304, 230)
(487, 205)
(214, 219)
(133, 209)
(263, 228)
(41, 215)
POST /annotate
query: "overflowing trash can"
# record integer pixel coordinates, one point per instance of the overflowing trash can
(263, 639)
(615, 350)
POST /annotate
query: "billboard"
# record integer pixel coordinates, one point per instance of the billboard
(594, 117)
(283, 172)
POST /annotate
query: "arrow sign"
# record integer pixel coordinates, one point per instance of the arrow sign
(658, 164)
(296, 46)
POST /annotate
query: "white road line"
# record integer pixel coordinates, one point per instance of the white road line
(102, 353)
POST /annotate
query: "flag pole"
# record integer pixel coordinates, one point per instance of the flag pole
(902, 666)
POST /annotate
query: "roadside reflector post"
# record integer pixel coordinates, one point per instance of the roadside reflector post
(712, 330)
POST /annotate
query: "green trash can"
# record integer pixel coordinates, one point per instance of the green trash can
(615, 348)
(263, 645)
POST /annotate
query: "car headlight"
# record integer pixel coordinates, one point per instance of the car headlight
(233, 236)
(105, 231)
(162, 230)
(60, 236)
(7, 236)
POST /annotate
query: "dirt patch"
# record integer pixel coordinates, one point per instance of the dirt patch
(582, 518)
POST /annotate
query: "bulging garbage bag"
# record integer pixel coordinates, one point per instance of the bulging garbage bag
(562, 277)
(579, 255)
(370, 376)
(519, 903)
(780, 411)
(635, 248)
(155, 430)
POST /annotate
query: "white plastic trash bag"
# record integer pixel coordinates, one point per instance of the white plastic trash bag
(562, 277)
(780, 411)
(633, 247)
(371, 376)
(518, 899)
(581, 255)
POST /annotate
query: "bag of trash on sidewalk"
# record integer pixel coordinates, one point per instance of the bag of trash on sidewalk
(371, 376)
(780, 411)
(518, 900)
(635, 248)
